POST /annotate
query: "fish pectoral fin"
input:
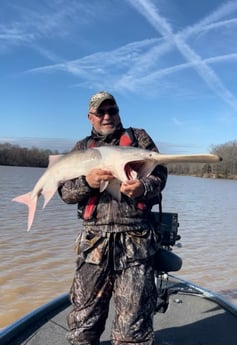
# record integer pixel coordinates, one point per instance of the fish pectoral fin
(114, 189)
(31, 203)
(48, 194)
(103, 185)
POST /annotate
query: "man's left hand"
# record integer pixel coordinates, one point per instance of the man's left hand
(132, 188)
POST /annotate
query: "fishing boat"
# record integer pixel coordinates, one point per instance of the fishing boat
(187, 314)
(195, 316)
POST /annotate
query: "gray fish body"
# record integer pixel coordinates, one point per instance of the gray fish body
(125, 163)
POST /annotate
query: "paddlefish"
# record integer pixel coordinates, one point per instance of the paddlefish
(125, 163)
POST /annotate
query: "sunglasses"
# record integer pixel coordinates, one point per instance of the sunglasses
(110, 111)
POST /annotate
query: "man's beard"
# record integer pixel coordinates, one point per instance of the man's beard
(107, 131)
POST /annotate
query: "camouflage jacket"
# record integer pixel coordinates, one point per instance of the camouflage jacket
(124, 220)
(111, 215)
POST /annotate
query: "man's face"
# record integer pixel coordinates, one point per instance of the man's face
(106, 119)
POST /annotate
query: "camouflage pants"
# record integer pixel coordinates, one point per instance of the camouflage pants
(134, 296)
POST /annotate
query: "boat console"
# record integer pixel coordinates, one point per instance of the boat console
(165, 260)
(167, 226)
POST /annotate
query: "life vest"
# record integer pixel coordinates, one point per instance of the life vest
(126, 139)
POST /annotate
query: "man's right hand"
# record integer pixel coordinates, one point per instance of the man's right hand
(96, 176)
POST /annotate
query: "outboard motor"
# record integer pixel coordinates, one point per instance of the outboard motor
(165, 260)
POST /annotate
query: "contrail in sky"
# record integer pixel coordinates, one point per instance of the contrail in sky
(150, 12)
(147, 60)
(137, 61)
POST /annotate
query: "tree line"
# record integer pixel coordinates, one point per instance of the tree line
(15, 155)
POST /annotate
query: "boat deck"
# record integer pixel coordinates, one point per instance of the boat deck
(190, 319)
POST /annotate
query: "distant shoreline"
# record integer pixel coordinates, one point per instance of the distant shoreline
(205, 175)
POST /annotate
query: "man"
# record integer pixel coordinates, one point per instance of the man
(117, 242)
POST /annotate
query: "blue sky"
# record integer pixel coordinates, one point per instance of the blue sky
(171, 64)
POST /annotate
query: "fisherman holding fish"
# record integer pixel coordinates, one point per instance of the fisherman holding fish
(115, 177)
(117, 242)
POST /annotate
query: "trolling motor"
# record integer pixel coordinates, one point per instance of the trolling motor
(165, 260)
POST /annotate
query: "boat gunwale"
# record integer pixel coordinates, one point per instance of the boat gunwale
(208, 294)
(50, 308)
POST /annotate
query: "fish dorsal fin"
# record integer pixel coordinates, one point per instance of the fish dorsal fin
(53, 159)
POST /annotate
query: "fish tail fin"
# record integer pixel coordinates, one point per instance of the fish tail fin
(31, 203)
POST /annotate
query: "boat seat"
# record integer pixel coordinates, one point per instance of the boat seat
(167, 261)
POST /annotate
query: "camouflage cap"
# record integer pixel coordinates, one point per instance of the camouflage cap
(100, 97)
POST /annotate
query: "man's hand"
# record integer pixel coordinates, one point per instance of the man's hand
(132, 188)
(96, 176)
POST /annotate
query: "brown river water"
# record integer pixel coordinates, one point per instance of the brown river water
(37, 266)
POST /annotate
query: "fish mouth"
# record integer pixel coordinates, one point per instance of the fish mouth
(133, 169)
